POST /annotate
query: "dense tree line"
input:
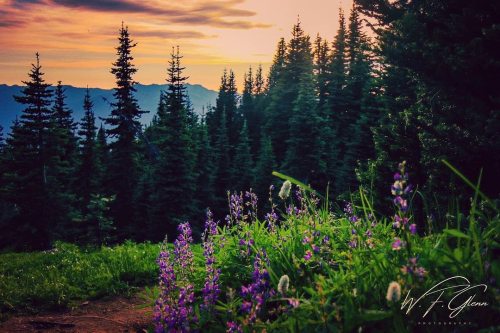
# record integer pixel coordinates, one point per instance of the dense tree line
(335, 115)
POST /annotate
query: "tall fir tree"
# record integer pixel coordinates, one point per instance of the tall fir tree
(248, 109)
(297, 61)
(30, 167)
(264, 167)
(87, 172)
(321, 70)
(277, 66)
(102, 158)
(63, 144)
(304, 147)
(124, 127)
(243, 162)
(205, 170)
(336, 104)
(175, 175)
(352, 119)
(223, 170)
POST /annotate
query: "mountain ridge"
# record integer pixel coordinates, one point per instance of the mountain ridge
(147, 96)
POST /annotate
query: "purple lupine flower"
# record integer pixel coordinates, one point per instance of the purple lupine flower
(251, 203)
(353, 243)
(271, 219)
(236, 214)
(211, 289)
(306, 240)
(308, 255)
(294, 302)
(182, 249)
(412, 268)
(246, 245)
(396, 245)
(232, 327)
(348, 209)
(401, 203)
(173, 311)
(315, 248)
(259, 290)
(246, 306)
(326, 240)
(413, 228)
(368, 233)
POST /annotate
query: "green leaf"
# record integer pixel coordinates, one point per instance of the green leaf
(375, 315)
(293, 181)
(456, 233)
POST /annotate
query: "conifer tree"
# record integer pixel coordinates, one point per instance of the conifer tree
(243, 162)
(249, 110)
(63, 147)
(88, 174)
(174, 176)
(304, 147)
(278, 65)
(321, 70)
(297, 61)
(223, 170)
(352, 119)
(30, 165)
(233, 116)
(336, 102)
(124, 128)
(204, 169)
(264, 167)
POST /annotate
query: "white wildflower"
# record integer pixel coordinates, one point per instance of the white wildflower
(393, 292)
(285, 190)
(283, 284)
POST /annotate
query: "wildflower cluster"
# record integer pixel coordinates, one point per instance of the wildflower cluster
(173, 311)
(356, 224)
(233, 327)
(211, 289)
(246, 245)
(412, 268)
(401, 191)
(259, 291)
(314, 243)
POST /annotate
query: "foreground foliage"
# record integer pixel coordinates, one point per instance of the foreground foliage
(306, 269)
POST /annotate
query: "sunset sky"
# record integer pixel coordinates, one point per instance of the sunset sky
(76, 39)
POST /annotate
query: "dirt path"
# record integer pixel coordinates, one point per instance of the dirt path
(118, 314)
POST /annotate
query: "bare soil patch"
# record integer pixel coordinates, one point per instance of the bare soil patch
(116, 314)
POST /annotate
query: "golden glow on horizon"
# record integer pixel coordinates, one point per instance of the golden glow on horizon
(76, 39)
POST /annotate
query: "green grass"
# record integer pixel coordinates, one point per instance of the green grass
(53, 279)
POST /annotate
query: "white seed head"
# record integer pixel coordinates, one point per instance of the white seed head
(285, 190)
(393, 292)
(283, 284)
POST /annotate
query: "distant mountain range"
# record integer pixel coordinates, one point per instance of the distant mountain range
(147, 96)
